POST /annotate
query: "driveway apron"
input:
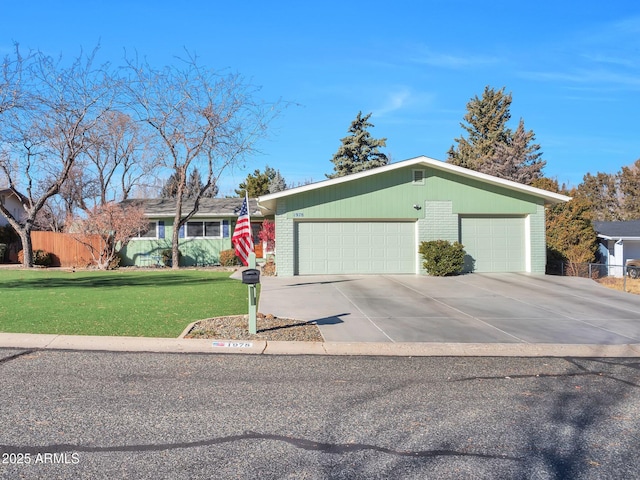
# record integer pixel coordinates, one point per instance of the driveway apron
(475, 308)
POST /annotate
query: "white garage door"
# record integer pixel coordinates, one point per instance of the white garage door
(355, 247)
(496, 244)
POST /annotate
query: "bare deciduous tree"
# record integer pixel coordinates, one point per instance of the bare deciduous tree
(115, 224)
(45, 131)
(200, 119)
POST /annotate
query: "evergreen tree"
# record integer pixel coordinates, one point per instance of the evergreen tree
(193, 187)
(491, 147)
(277, 183)
(359, 151)
(516, 159)
(170, 187)
(261, 183)
(486, 125)
(570, 234)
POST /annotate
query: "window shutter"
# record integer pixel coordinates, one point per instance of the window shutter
(160, 228)
(225, 228)
(181, 232)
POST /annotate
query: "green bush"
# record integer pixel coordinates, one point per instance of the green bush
(442, 258)
(42, 258)
(167, 257)
(228, 258)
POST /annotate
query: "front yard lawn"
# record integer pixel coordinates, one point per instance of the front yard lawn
(156, 303)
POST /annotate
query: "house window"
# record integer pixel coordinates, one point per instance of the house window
(418, 177)
(204, 229)
(150, 232)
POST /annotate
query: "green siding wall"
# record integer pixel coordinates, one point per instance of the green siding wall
(392, 196)
(442, 199)
(195, 252)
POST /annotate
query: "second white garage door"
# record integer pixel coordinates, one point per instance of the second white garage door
(355, 247)
(496, 244)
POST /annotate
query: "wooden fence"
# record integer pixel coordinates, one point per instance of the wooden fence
(65, 250)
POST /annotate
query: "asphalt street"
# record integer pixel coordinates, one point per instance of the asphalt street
(70, 414)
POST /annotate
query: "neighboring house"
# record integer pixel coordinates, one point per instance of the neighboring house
(619, 242)
(11, 201)
(206, 234)
(373, 221)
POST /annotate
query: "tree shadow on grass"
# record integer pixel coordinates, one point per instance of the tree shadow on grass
(114, 281)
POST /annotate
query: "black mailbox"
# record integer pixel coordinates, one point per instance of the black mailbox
(251, 276)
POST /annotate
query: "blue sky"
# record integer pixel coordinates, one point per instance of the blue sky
(573, 68)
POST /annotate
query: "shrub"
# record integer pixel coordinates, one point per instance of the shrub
(167, 257)
(269, 268)
(40, 257)
(228, 258)
(268, 235)
(442, 257)
(114, 263)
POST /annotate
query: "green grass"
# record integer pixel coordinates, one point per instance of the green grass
(158, 303)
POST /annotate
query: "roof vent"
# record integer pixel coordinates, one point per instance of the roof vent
(418, 177)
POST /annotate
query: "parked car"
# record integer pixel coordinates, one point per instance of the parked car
(633, 268)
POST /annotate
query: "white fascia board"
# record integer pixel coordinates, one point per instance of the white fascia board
(618, 238)
(267, 202)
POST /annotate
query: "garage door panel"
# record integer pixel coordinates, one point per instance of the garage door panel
(496, 244)
(355, 247)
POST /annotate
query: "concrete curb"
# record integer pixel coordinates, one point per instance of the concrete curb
(252, 347)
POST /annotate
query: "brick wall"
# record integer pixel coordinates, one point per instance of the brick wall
(284, 241)
(538, 240)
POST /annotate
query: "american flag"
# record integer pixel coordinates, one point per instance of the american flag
(242, 239)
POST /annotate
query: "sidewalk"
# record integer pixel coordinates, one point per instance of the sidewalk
(405, 349)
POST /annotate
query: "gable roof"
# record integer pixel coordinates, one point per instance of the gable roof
(267, 202)
(629, 230)
(11, 191)
(209, 207)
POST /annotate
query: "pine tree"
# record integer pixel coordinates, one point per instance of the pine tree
(486, 127)
(359, 151)
(277, 183)
(516, 159)
(261, 183)
(193, 187)
(570, 234)
(170, 187)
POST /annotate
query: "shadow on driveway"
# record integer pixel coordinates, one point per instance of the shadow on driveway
(473, 308)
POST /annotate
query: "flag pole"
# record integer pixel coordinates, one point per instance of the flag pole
(253, 307)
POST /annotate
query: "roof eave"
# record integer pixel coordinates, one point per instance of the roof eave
(268, 202)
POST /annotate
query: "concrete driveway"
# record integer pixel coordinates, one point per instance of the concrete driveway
(475, 308)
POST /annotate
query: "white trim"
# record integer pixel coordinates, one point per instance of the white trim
(267, 202)
(417, 235)
(527, 243)
(616, 237)
(155, 237)
(203, 221)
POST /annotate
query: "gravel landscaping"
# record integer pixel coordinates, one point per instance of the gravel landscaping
(269, 328)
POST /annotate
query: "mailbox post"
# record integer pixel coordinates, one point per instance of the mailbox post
(251, 277)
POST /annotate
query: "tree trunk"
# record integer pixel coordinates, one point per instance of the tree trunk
(175, 251)
(27, 247)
